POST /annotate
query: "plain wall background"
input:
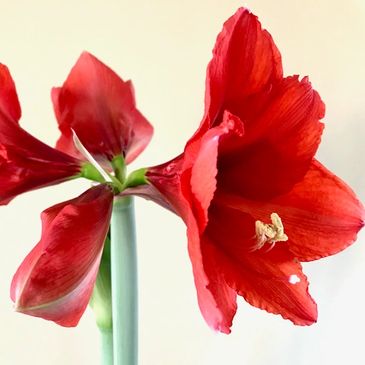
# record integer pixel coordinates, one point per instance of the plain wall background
(164, 47)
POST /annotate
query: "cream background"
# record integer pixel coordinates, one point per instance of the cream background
(164, 46)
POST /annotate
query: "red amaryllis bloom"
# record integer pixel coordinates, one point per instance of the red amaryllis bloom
(56, 279)
(254, 199)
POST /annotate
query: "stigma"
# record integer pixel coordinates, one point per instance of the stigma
(269, 232)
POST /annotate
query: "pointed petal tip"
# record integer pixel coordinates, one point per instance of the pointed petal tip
(37, 312)
(85, 55)
(225, 326)
(9, 103)
(242, 11)
(221, 328)
(361, 214)
(307, 317)
(304, 322)
(220, 325)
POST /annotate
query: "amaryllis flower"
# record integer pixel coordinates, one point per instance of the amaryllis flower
(255, 201)
(96, 109)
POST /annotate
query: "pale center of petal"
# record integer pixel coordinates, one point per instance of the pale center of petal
(269, 232)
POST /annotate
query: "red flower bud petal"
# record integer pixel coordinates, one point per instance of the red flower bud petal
(56, 279)
(100, 107)
(9, 104)
(25, 162)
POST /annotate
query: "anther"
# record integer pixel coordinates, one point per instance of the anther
(270, 233)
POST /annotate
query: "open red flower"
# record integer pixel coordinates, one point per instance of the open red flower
(56, 279)
(254, 199)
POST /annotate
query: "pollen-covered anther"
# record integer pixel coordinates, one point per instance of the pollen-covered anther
(271, 233)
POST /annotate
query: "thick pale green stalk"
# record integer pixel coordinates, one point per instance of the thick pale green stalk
(124, 283)
(106, 339)
(101, 303)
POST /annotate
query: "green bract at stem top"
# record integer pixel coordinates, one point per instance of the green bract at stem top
(90, 172)
(118, 179)
(135, 178)
(119, 167)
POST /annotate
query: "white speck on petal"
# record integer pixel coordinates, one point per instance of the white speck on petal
(294, 279)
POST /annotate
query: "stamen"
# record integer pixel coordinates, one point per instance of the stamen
(89, 157)
(270, 233)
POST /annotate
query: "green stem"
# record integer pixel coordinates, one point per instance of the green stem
(101, 303)
(106, 339)
(124, 283)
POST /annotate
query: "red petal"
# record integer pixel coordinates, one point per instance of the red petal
(150, 192)
(9, 104)
(191, 177)
(178, 186)
(202, 155)
(270, 280)
(25, 162)
(217, 301)
(245, 62)
(55, 281)
(22, 171)
(165, 187)
(100, 107)
(324, 215)
(321, 214)
(278, 145)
